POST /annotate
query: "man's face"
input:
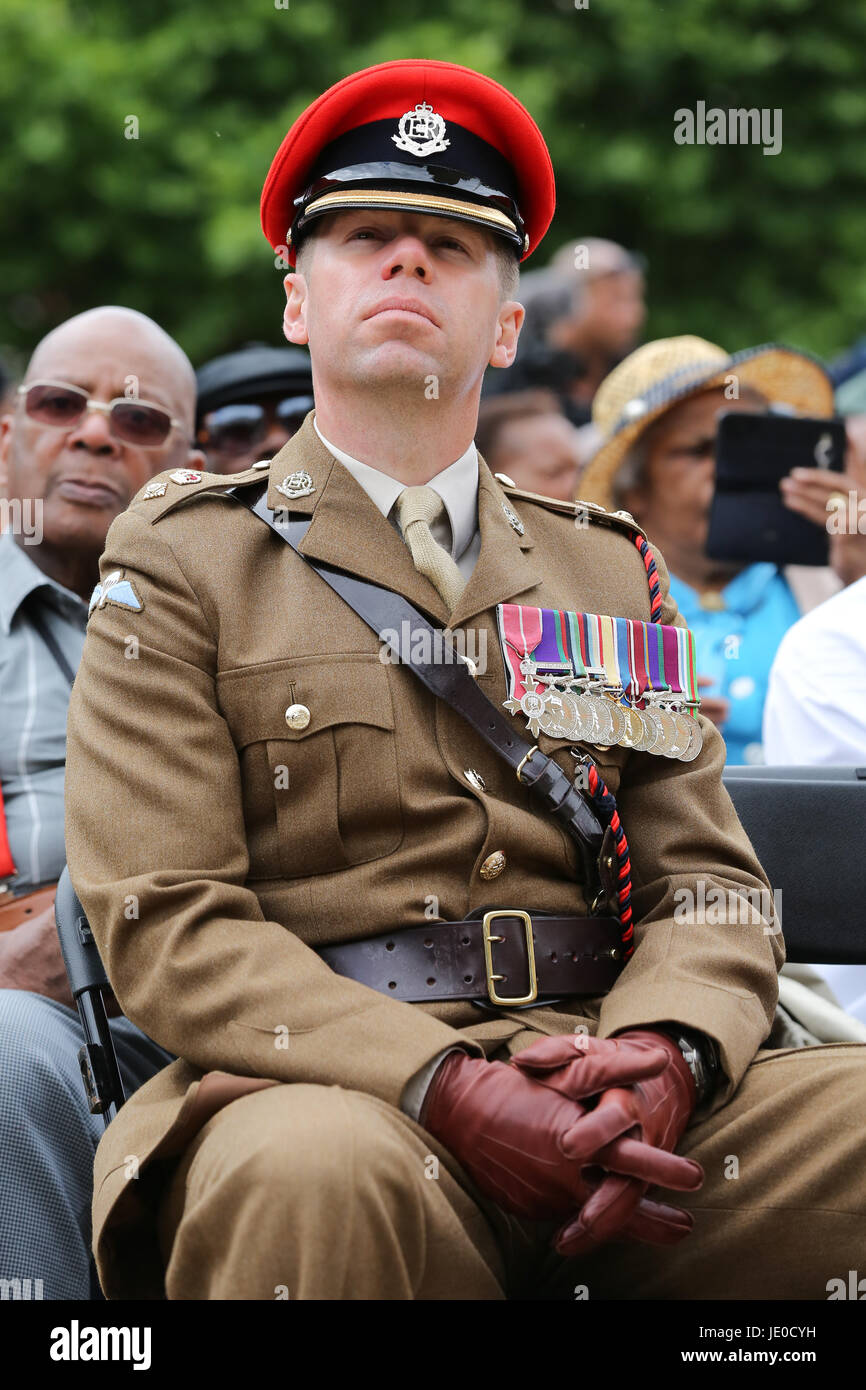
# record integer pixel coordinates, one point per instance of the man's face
(236, 436)
(397, 299)
(82, 474)
(613, 312)
(673, 498)
(540, 453)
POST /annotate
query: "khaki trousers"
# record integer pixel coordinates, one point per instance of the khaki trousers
(314, 1192)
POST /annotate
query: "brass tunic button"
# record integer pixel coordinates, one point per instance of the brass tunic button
(493, 865)
(297, 716)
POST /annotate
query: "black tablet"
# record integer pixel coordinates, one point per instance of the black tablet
(748, 518)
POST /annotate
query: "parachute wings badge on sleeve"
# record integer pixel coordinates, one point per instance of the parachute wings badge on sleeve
(115, 589)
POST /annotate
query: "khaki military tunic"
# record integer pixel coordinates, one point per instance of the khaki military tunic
(215, 846)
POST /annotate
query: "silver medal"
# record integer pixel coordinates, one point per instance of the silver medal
(696, 740)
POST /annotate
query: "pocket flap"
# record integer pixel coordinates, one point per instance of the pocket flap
(254, 699)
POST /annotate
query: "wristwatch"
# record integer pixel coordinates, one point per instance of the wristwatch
(701, 1056)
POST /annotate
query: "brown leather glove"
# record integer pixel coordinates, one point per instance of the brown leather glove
(630, 1132)
(512, 1135)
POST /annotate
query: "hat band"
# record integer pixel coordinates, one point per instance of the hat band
(462, 155)
(405, 200)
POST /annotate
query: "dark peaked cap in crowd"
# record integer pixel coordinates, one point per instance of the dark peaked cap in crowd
(253, 372)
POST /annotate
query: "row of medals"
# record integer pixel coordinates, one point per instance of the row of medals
(589, 710)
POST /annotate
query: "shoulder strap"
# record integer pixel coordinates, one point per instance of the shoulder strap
(449, 679)
(38, 621)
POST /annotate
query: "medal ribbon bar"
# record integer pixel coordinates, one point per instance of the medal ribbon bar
(602, 680)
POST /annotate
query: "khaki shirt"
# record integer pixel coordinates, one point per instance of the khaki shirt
(214, 847)
(457, 485)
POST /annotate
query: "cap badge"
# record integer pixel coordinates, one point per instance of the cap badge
(513, 519)
(422, 131)
(298, 484)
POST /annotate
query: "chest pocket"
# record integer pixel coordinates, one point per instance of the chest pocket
(322, 793)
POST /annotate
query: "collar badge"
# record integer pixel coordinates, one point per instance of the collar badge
(513, 519)
(298, 484)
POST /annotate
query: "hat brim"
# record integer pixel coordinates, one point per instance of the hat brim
(403, 200)
(780, 374)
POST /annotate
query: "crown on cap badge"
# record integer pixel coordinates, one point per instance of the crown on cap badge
(422, 131)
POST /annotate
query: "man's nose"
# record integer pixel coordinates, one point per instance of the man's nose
(92, 432)
(408, 255)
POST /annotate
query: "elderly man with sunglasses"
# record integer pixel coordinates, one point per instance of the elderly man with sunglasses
(107, 401)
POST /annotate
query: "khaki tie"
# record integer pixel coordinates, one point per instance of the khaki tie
(417, 509)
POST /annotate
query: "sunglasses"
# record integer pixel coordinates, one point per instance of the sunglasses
(60, 406)
(235, 429)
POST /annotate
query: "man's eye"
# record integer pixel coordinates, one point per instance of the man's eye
(449, 241)
(364, 231)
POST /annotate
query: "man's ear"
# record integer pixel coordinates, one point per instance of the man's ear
(198, 460)
(295, 313)
(508, 325)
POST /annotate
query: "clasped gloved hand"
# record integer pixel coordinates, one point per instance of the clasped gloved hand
(576, 1126)
(630, 1132)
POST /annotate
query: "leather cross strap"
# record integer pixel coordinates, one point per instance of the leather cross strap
(449, 679)
(507, 958)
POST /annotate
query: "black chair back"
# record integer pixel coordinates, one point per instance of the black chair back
(89, 984)
(808, 827)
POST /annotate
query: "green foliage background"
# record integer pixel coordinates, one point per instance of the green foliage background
(742, 247)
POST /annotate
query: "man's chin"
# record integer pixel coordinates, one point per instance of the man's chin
(397, 363)
(79, 526)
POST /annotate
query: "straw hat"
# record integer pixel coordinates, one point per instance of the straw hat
(659, 375)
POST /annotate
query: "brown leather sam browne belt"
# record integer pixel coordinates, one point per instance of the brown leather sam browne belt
(507, 957)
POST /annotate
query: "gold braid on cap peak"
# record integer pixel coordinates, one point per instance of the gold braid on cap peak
(374, 198)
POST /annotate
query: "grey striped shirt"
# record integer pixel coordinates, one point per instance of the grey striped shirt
(34, 696)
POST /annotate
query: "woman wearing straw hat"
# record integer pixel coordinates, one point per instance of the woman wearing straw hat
(657, 413)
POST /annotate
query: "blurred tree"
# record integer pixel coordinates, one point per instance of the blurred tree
(134, 142)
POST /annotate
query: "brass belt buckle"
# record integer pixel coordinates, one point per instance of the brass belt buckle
(489, 938)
